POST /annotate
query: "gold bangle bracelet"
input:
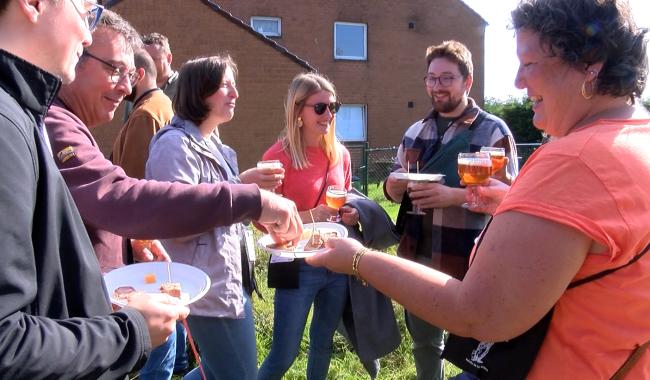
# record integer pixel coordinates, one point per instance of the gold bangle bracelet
(355, 264)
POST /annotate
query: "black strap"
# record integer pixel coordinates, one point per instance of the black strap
(608, 271)
(582, 281)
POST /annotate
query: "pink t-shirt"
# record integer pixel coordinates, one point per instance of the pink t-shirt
(596, 180)
(304, 186)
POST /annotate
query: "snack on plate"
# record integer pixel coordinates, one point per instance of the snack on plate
(150, 278)
(317, 240)
(123, 292)
(171, 288)
(283, 246)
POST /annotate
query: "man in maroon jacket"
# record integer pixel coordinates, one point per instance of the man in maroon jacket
(113, 205)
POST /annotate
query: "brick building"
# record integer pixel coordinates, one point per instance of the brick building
(377, 64)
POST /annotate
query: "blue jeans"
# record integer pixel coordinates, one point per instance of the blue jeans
(328, 292)
(182, 360)
(428, 343)
(160, 364)
(227, 346)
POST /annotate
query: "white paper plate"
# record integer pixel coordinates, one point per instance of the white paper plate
(193, 281)
(299, 252)
(422, 177)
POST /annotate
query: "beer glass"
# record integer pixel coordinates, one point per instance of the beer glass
(269, 164)
(498, 157)
(474, 169)
(335, 198)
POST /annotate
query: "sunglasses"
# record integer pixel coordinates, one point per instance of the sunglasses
(320, 108)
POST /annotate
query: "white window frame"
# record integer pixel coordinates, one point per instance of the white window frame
(264, 18)
(364, 121)
(364, 57)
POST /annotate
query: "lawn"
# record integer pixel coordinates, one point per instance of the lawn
(345, 364)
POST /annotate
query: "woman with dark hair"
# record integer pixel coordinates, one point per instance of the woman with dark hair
(189, 150)
(565, 248)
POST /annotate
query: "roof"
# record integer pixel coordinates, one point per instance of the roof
(243, 25)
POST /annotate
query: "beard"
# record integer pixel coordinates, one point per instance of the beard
(445, 106)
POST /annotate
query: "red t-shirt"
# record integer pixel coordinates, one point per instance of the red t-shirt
(304, 186)
(595, 180)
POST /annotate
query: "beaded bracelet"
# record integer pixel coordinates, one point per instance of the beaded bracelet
(355, 264)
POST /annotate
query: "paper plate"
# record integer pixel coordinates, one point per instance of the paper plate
(324, 227)
(420, 177)
(193, 281)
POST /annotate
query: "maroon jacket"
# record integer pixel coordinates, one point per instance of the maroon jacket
(113, 205)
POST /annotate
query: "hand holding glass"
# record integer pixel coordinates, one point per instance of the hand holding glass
(269, 165)
(335, 198)
(498, 157)
(474, 169)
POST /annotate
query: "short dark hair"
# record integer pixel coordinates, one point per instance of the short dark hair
(142, 59)
(584, 32)
(157, 39)
(198, 79)
(3, 5)
(455, 52)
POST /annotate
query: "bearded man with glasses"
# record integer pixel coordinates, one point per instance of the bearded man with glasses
(443, 237)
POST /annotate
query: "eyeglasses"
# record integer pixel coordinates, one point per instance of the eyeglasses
(117, 73)
(92, 13)
(320, 108)
(444, 81)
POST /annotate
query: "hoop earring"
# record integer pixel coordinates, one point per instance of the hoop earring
(583, 90)
(299, 122)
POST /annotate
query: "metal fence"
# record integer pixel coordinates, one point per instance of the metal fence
(371, 166)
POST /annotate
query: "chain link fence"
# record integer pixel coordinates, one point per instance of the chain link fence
(371, 166)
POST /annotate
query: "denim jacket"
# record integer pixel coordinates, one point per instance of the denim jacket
(178, 152)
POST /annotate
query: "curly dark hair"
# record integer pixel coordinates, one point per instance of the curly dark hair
(583, 32)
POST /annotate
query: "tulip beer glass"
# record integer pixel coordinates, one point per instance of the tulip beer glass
(498, 157)
(335, 198)
(474, 169)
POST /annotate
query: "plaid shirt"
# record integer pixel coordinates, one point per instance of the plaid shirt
(443, 238)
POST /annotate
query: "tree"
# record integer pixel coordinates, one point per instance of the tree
(518, 114)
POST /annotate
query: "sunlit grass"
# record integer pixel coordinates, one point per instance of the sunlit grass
(344, 365)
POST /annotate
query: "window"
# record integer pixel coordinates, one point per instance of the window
(350, 41)
(351, 122)
(268, 26)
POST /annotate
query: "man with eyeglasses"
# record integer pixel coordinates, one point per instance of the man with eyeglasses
(114, 205)
(55, 314)
(443, 237)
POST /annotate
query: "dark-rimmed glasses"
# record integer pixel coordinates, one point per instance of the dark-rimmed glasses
(444, 80)
(320, 108)
(117, 73)
(92, 13)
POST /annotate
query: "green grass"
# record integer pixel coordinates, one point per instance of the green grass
(344, 365)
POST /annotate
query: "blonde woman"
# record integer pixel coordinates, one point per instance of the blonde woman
(313, 160)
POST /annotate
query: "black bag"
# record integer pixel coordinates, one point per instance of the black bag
(512, 359)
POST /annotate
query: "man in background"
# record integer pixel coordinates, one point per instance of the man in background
(152, 111)
(157, 46)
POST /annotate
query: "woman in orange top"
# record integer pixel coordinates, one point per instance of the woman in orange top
(579, 206)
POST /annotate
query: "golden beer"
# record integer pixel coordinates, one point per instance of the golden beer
(335, 198)
(474, 173)
(498, 157)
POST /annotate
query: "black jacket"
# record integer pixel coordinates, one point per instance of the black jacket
(54, 310)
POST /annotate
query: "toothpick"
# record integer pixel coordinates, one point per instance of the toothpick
(417, 167)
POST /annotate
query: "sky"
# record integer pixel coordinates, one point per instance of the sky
(500, 57)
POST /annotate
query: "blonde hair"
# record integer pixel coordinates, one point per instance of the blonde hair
(302, 87)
